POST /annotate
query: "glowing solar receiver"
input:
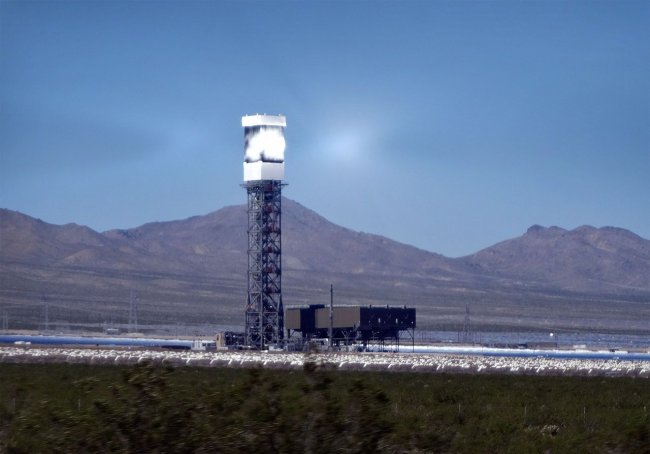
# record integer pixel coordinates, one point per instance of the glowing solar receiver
(264, 146)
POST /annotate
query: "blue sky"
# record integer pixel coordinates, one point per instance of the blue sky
(446, 125)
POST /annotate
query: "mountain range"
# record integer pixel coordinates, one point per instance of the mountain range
(193, 271)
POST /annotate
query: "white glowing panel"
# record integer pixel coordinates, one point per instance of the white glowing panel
(264, 147)
(263, 171)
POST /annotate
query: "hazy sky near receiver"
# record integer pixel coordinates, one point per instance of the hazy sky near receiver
(446, 125)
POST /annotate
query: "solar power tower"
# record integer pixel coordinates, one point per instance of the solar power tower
(263, 175)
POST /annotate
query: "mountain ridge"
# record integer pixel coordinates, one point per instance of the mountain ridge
(194, 270)
(578, 259)
(607, 256)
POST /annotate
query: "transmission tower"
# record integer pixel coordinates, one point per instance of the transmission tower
(133, 313)
(46, 313)
(468, 334)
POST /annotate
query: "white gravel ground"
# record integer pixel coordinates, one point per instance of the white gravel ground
(402, 362)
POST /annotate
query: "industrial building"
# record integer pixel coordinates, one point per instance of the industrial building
(350, 324)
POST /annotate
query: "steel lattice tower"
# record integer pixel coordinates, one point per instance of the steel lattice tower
(264, 311)
(263, 174)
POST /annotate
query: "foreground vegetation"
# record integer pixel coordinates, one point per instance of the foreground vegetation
(82, 408)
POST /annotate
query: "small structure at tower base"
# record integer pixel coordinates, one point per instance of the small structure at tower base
(363, 325)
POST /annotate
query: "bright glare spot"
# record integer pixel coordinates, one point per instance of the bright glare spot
(345, 146)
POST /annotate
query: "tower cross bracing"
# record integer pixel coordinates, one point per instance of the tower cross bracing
(264, 311)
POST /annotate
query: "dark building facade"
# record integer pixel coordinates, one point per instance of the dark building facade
(350, 324)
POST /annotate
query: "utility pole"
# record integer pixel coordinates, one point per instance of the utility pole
(5, 321)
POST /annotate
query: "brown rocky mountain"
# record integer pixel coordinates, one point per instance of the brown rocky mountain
(25, 239)
(193, 271)
(216, 244)
(585, 259)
